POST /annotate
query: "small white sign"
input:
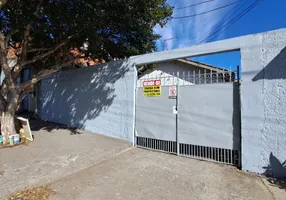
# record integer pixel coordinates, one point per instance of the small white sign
(175, 110)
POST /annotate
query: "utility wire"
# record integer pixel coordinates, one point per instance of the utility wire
(193, 5)
(194, 15)
(232, 12)
(227, 16)
(168, 39)
(232, 21)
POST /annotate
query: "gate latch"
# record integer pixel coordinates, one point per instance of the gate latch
(175, 110)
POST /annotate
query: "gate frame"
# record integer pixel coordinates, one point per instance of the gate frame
(219, 77)
(177, 117)
(258, 51)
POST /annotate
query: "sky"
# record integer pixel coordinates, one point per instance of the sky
(267, 15)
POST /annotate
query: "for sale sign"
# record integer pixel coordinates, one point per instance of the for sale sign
(152, 88)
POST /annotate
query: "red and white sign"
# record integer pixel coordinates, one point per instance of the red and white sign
(152, 83)
(172, 91)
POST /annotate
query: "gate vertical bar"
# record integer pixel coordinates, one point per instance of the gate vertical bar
(194, 77)
(239, 110)
(177, 119)
(211, 76)
(205, 76)
(217, 75)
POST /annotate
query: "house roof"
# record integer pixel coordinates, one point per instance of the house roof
(144, 69)
(203, 65)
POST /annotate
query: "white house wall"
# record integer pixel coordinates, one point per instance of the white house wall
(172, 73)
(179, 68)
(166, 79)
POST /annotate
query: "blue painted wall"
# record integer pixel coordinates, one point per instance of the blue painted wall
(98, 99)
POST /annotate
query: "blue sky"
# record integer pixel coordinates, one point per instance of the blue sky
(267, 15)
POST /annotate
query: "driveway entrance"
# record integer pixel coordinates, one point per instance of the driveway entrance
(192, 115)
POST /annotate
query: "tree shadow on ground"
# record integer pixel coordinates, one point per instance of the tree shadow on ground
(36, 124)
(276, 172)
(76, 96)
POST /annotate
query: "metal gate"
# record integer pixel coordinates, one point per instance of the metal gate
(190, 114)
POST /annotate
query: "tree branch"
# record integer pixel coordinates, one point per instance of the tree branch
(48, 53)
(43, 74)
(38, 49)
(2, 42)
(9, 36)
(3, 103)
(27, 33)
(24, 93)
(5, 67)
(25, 43)
(36, 13)
(2, 3)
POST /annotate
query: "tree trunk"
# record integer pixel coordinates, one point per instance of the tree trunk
(7, 125)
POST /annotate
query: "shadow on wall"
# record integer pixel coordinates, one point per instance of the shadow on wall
(75, 96)
(236, 122)
(276, 169)
(276, 69)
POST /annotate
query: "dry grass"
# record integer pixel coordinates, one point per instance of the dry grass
(39, 193)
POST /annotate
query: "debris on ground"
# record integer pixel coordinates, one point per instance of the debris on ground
(22, 141)
(25, 130)
(23, 135)
(2, 172)
(37, 193)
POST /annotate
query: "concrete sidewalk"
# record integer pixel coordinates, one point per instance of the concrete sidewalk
(89, 166)
(56, 153)
(143, 174)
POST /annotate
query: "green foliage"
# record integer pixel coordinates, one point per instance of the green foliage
(114, 28)
(143, 68)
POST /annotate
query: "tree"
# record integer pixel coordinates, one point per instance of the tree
(42, 34)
